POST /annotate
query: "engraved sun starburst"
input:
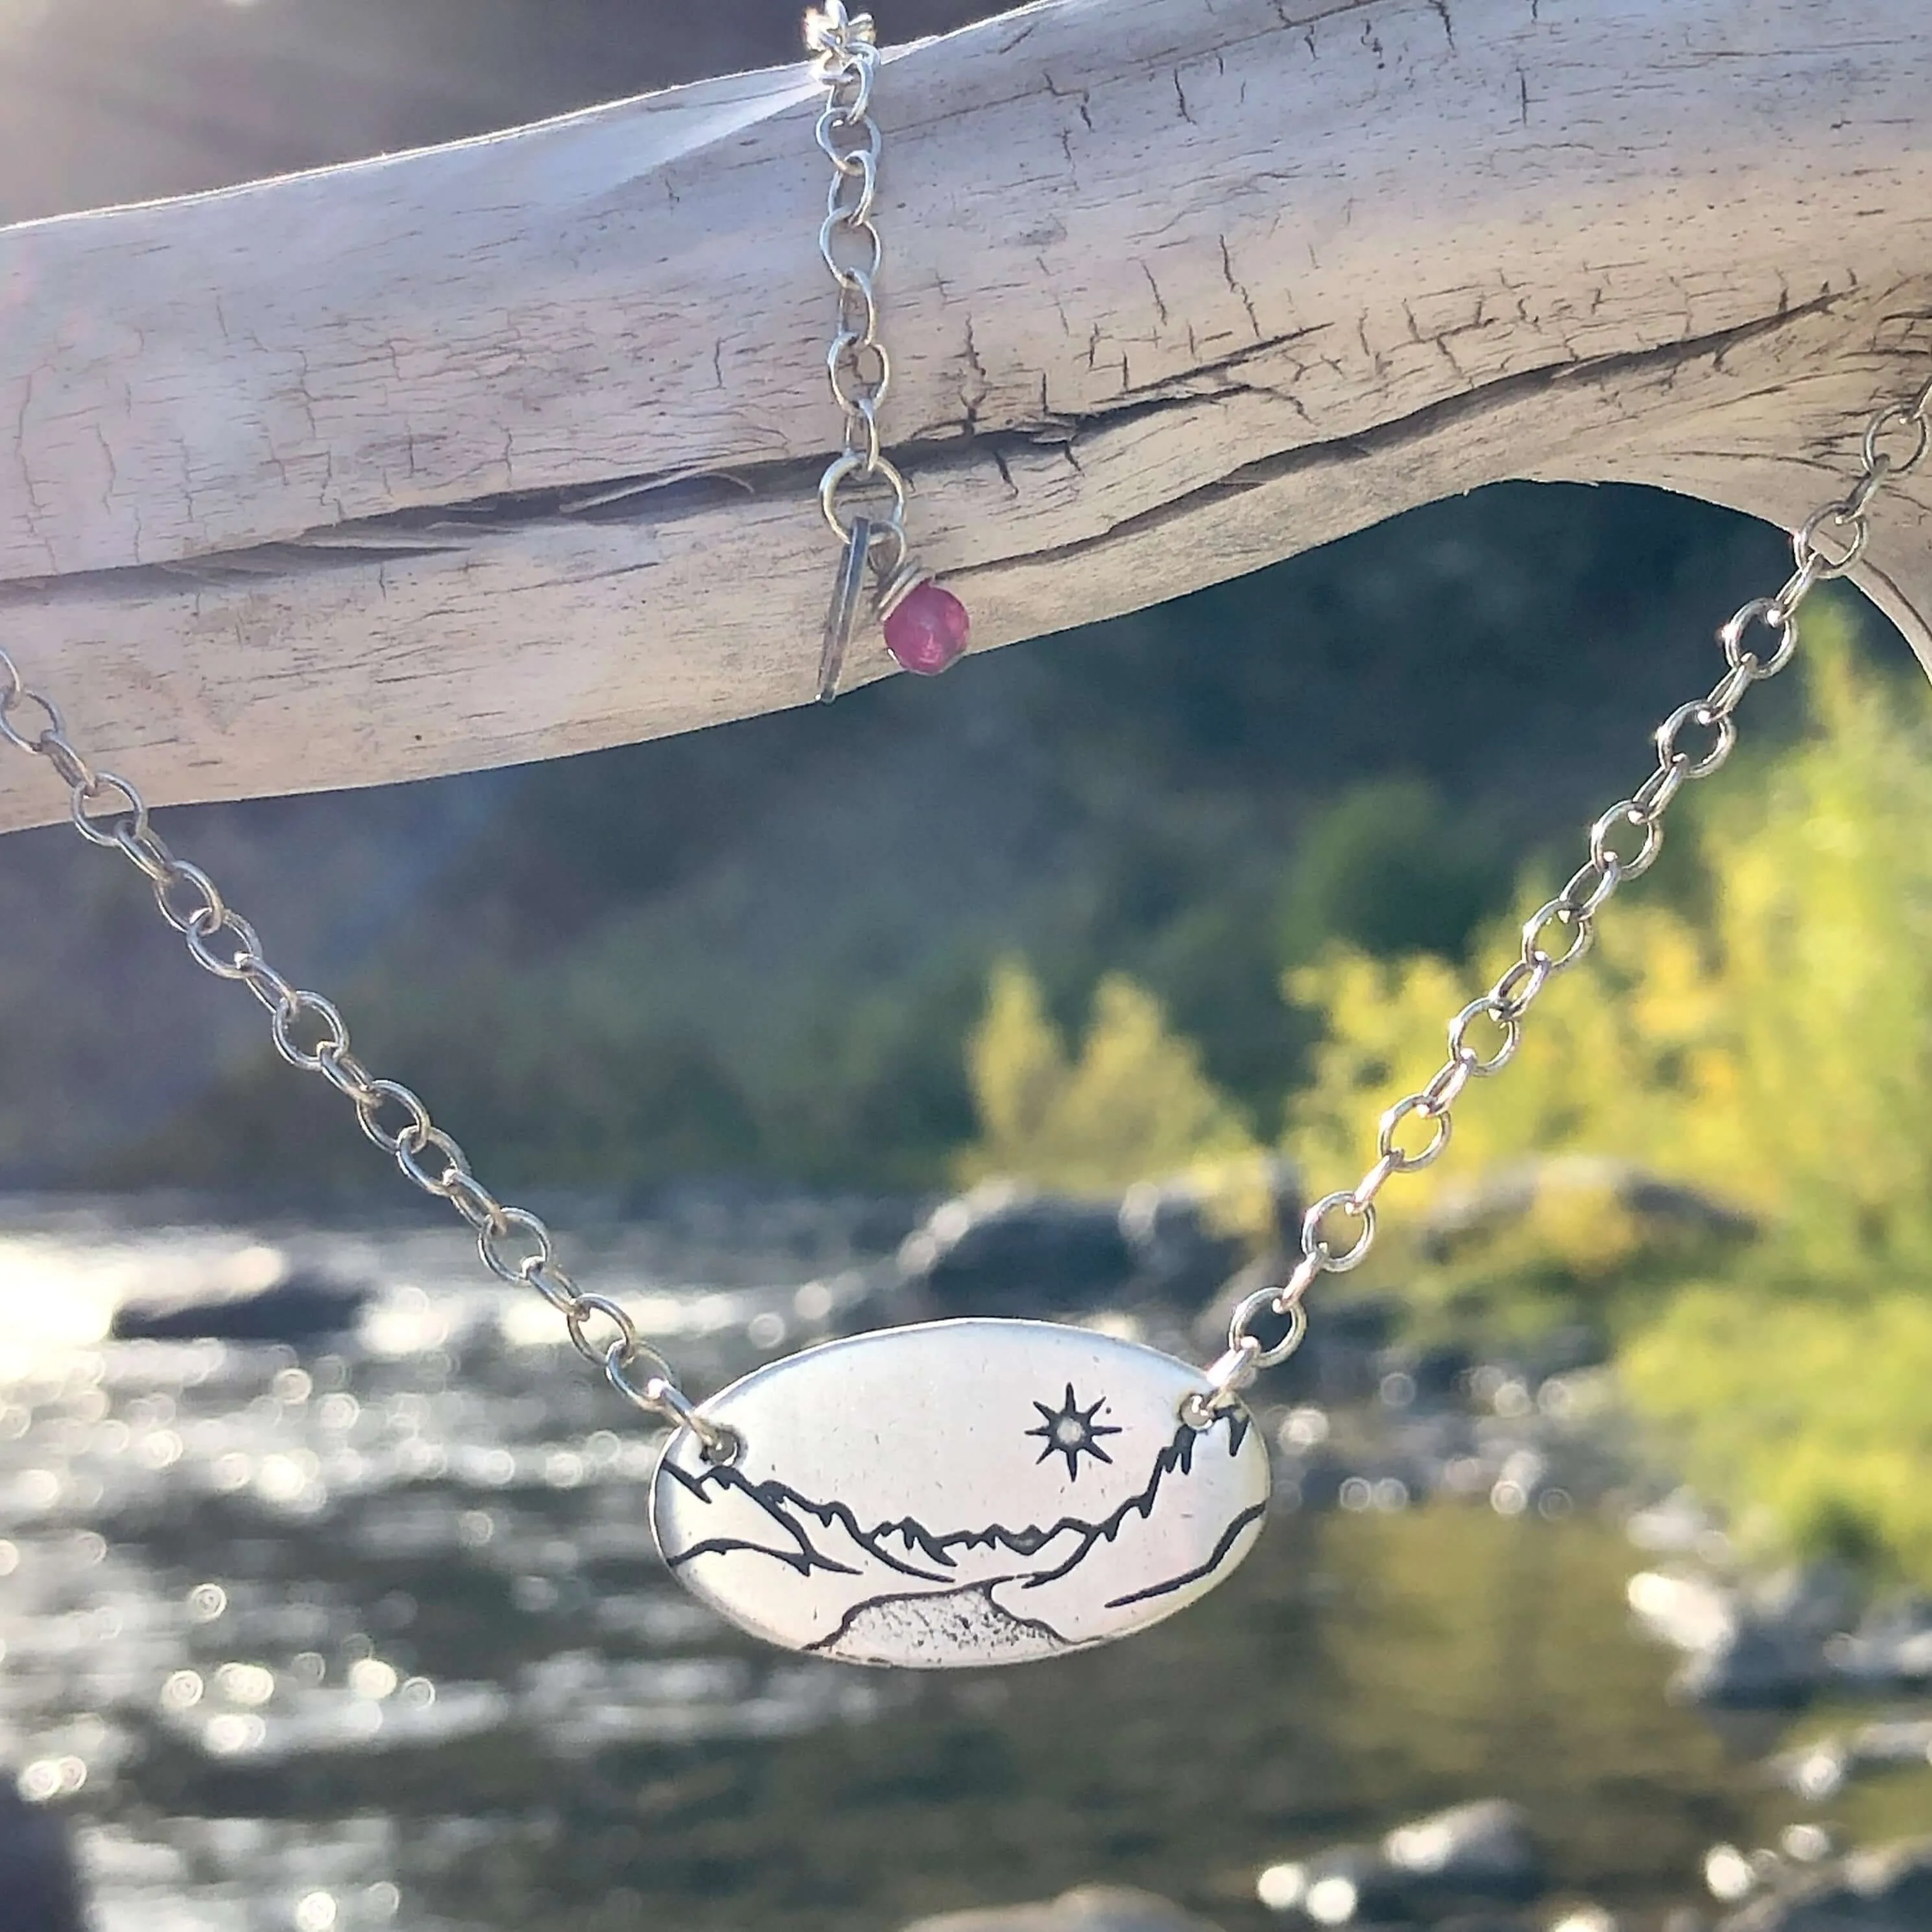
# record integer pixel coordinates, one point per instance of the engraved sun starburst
(1071, 1431)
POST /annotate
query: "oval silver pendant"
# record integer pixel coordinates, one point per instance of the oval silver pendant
(960, 1492)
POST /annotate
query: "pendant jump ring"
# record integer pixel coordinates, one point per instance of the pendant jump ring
(890, 561)
(1201, 1409)
(852, 464)
(722, 1445)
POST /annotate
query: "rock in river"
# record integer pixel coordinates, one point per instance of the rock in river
(38, 1892)
(1480, 1853)
(1887, 1890)
(1763, 1649)
(1005, 1250)
(1482, 1850)
(1088, 1908)
(298, 1308)
(1749, 1668)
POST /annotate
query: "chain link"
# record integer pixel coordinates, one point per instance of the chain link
(845, 59)
(862, 495)
(221, 941)
(1826, 545)
(845, 51)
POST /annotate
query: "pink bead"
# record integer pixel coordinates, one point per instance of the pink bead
(927, 632)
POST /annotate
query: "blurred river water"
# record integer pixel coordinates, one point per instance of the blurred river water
(370, 1634)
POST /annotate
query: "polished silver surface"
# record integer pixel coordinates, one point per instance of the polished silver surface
(842, 618)
(961, 1492)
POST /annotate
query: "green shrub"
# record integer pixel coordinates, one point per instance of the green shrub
(1132, 1103)
(1753, 1031)
(1766, 1038)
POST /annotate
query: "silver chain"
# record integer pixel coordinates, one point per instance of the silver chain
(862, 493)
(845, 59)
(310, 1033)
(1827, 544)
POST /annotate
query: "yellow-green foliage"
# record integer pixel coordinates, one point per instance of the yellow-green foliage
(1774, 1049)
(1618, 1060)
(1753, 1026)
(1132, 1103)
(1607, 1058)
(1815, 1418)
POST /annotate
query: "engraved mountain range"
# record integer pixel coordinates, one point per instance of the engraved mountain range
(919, 1590)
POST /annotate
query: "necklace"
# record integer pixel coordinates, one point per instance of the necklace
(982, 1491)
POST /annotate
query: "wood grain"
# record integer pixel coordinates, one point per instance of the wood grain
(303, 486)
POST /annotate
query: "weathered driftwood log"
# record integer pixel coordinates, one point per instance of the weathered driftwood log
(509, 448)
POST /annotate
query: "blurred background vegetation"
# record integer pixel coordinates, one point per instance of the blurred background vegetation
(1191, 887)
(1715, 1143)
(1188, 886)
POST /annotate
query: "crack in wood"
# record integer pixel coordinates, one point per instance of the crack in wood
(460, 527)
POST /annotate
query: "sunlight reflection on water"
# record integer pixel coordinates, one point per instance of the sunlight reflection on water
(205, 1543)
(370, 1635)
